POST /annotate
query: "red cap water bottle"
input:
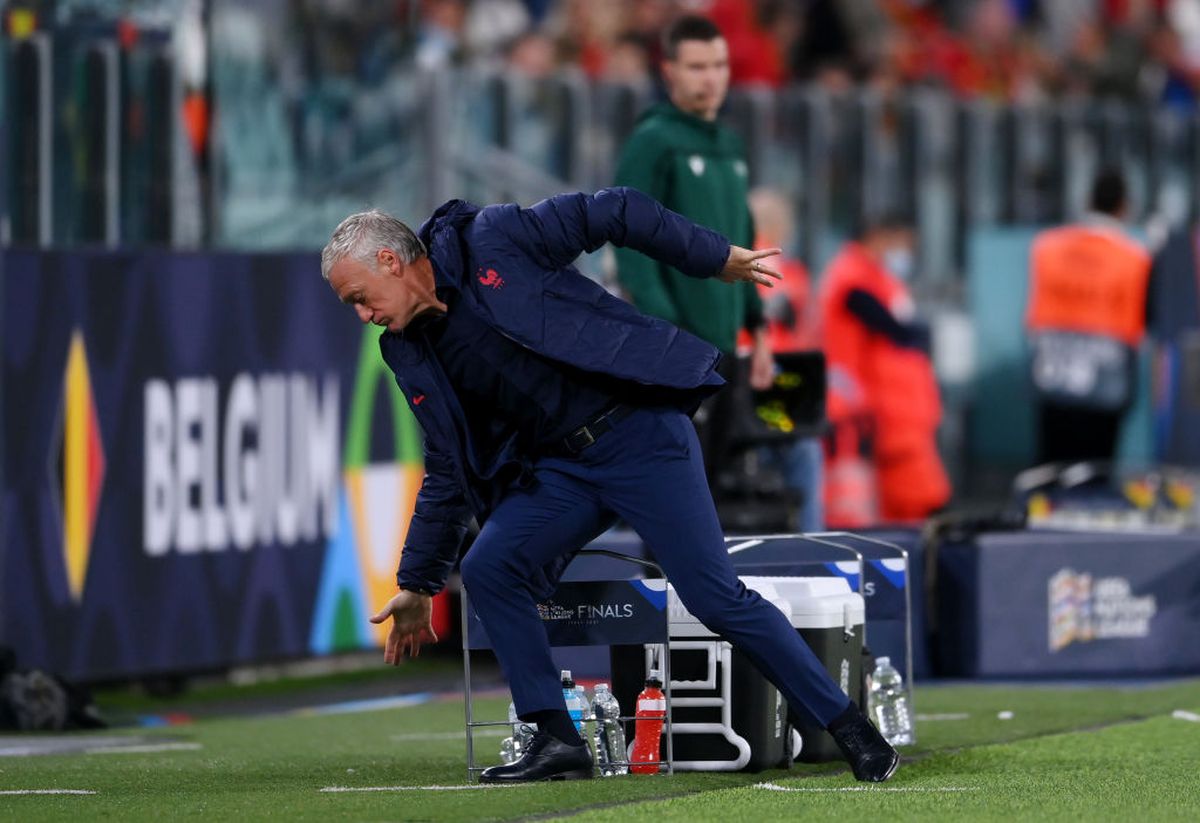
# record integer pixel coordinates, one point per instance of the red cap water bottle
(651, 710)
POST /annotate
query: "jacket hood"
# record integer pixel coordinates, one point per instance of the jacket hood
(451, 214)
(441, 235)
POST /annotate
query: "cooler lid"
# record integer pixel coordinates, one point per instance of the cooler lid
(828, 612)
(677, 613)
(815, 602)
(807, 602)
(800, 588)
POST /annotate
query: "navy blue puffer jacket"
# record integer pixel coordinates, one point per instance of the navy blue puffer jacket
(513, 267)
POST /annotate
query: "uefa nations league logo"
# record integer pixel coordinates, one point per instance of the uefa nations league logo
(1083, 609)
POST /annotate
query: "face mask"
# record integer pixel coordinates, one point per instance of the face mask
(899, 261)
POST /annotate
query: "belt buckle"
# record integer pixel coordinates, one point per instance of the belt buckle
(587, 434)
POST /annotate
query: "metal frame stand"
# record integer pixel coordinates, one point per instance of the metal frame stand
(471, 723)
(908, 581)
(829, 540)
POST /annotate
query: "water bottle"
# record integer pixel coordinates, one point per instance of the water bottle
(511, 748)
(651, 710)
(575, 706)
(610, 735)
(889, 704)
(508, 751)
(584, 703)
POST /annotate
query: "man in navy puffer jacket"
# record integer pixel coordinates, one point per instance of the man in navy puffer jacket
(551, 408)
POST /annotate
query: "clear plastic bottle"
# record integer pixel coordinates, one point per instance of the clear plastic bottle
(508, 751)
(610, 734)
(575, 705)
(651, 711)
(889, 704)
(511, 748)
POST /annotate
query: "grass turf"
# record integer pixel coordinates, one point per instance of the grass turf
(1082, 753)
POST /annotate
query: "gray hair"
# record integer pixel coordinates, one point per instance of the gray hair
(361, 236)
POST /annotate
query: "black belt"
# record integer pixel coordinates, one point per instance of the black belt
(590, 432)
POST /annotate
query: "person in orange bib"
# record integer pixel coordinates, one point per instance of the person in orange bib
(1086, 317)
(883, 401)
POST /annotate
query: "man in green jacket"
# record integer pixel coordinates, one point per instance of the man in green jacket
(681, 156)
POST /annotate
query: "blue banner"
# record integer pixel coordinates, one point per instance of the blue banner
(1069, 604)
(205, 462)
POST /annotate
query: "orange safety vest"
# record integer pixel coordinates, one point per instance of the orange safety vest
(893, 386)
(1091, 280)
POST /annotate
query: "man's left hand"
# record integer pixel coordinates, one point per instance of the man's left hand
(746, 264)
(412, 625)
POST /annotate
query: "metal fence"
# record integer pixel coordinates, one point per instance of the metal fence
(94, 150)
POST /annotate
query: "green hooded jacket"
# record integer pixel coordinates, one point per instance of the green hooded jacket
(698, 169)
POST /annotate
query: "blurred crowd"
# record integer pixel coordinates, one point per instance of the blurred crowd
(1006, 50)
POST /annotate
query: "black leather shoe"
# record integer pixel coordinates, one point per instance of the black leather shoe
(547, 758)
(870, 756)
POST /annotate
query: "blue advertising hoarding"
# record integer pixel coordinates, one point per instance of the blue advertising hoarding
(205, 463)
(1037, 604)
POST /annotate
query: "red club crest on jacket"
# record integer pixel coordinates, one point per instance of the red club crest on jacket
(490, 278)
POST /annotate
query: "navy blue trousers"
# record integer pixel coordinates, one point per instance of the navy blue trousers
(649, 472)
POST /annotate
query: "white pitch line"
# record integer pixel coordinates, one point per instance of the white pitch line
(45, 791)
(148, 748)
(775, 787)
(948, 716)
(1180, 714)
(423, 788)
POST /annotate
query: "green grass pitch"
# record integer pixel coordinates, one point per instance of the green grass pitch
(1067, 753)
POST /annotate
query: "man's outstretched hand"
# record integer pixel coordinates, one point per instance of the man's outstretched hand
(746, 264)
(412, 625)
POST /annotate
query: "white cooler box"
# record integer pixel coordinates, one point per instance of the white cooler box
(726, 715)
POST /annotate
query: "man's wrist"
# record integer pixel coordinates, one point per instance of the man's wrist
(417, 590)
